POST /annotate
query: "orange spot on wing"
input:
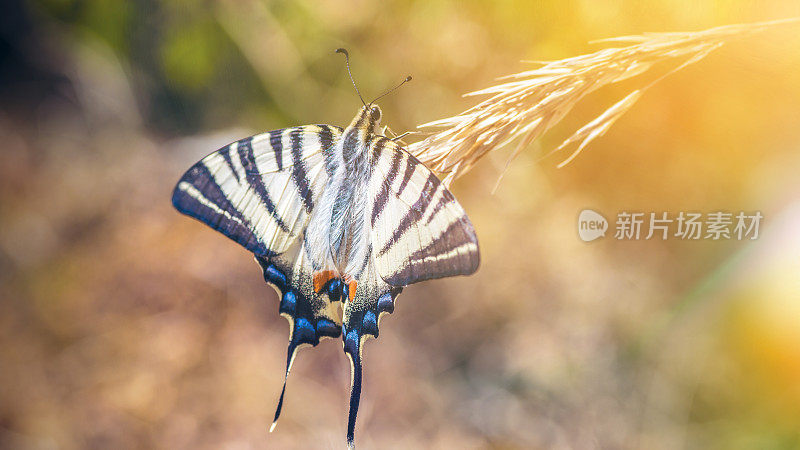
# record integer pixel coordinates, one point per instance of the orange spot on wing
(351, 289)
(322, 277)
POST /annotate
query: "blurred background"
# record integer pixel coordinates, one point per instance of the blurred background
(126, 325)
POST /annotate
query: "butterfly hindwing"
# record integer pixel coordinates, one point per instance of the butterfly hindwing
(311, 310)
(372, 299)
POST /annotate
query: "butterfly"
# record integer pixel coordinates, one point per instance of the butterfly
(336, 217)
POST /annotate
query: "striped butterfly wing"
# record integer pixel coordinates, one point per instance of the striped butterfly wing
(418, 232)
(260, 192)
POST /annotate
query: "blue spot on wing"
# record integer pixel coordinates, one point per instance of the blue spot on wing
(327, 328)
(288, 303)
(274, 276)
(386, 303)
(334, 288)
(304, 331)
(369, 323)
(351, 341)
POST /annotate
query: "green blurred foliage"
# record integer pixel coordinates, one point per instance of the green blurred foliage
(190, 53)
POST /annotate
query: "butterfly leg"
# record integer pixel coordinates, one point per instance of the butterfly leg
(401, 136)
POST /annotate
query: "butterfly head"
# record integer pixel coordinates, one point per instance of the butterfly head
(369, 118)
(375, 114)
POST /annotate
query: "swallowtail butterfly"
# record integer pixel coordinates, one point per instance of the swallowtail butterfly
(332, 215)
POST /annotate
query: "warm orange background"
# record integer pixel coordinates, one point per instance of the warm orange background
(126, 325)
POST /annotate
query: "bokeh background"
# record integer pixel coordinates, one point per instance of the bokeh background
(126, 325)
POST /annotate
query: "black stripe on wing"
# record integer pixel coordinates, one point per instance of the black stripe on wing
(299, 174)
(276, 141)
(411, 166)
(326, 135)
(198, 195)
(429, 262)
(415, 213)
(226, 155)
(383, 195)
(256, 181)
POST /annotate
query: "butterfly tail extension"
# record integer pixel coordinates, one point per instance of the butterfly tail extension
(307, 325)
(361, 321)
(290, 354)
(352, 347)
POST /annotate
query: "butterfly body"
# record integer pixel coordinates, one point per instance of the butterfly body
(339, 240)
(334, 217)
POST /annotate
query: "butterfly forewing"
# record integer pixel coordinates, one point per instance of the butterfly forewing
(249, 190)
(419, 230)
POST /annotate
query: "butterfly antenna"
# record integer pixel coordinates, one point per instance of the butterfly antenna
(347, 63)
(408, 78)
